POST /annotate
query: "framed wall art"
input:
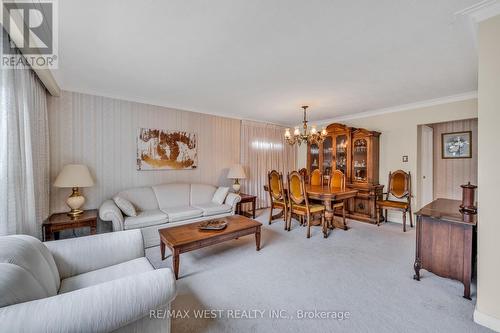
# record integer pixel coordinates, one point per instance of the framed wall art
(159, 149)
(456, 145)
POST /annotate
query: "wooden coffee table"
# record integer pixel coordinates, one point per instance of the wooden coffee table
(188, 237)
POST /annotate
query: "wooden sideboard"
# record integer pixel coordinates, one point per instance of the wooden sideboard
(445, 243)
(355, 152)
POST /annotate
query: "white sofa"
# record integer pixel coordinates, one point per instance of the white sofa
(166, 205)
(98, 283)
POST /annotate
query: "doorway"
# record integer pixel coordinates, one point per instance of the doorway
(426, 162)
(439, 176)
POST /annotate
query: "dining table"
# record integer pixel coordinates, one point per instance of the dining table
(327, 195)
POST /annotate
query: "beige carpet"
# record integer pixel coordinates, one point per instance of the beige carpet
(366, 271)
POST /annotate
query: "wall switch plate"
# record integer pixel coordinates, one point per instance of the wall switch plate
(405, 158)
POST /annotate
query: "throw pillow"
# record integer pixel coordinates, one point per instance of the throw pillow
(220, 195)
(125, 206)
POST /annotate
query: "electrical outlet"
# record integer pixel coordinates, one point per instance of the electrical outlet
(405, 158)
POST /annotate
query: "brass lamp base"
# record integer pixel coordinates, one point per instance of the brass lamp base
(236, 186)
(75, 201)
(75, 213)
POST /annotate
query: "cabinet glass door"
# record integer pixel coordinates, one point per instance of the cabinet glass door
(327, 156)
(314, 157)
(341, 153)
(360, 153)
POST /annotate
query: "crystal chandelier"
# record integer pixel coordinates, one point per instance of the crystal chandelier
(311, 137)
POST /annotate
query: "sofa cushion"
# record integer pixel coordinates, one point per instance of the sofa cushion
(132, 267)
(182, 213)
(143, 198)
(145, 219)
(125, 206)
(201, 193)
(172, 195)
(25, 258)
(17, 285)
(220, 195)
(212, 208)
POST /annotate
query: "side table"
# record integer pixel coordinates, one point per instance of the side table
(61, 221)
(246, 198)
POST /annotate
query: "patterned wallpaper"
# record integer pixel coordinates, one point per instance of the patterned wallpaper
(449, 174)
(101, 133)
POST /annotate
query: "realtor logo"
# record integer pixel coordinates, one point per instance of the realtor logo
(31, 28)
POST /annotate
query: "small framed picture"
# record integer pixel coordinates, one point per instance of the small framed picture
(456, 145)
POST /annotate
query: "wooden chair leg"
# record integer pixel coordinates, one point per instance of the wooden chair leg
(386, 219)
(289, 218)
(323, 224)
(378, 215)
(411, 218)
(285, 217)
(308, 225)
(343, 216)
(271, 214)
(404, 221)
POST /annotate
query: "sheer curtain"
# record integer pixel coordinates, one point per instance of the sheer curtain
(24, 152)
(263, 148)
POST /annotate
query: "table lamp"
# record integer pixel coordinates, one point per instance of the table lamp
(74, 176)
(236, 172)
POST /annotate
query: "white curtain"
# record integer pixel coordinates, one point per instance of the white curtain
(263, 148)
(24, 152)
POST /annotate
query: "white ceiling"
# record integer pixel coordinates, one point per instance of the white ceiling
(263, 59)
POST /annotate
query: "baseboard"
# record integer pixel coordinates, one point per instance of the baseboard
(487, 320)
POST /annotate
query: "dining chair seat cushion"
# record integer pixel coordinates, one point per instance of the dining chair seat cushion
(279, 202)
(392, 204)
(314, 208)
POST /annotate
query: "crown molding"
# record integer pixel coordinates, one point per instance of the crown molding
(481, 11)
(159, 103)
(404, 107)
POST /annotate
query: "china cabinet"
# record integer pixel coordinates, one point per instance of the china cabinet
(313, 156)
(355, 152)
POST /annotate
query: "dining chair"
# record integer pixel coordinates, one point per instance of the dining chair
(303, 172)
(277, 196)
(299, 203)
(337, 182)
(315, 178)
(399, 186)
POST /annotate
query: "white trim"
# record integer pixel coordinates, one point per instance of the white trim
(404, 107)
(487, 320)
(481, 11)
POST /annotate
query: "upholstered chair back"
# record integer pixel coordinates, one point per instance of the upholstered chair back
(27, 270)
(337, 180)
(399, 183)
(315, 177)
(296, 188)
(275, 183)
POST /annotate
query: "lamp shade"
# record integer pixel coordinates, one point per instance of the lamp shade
(74, 175)
(236, 172)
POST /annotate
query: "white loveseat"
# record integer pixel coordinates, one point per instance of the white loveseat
(166, 205)
(99, 283)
